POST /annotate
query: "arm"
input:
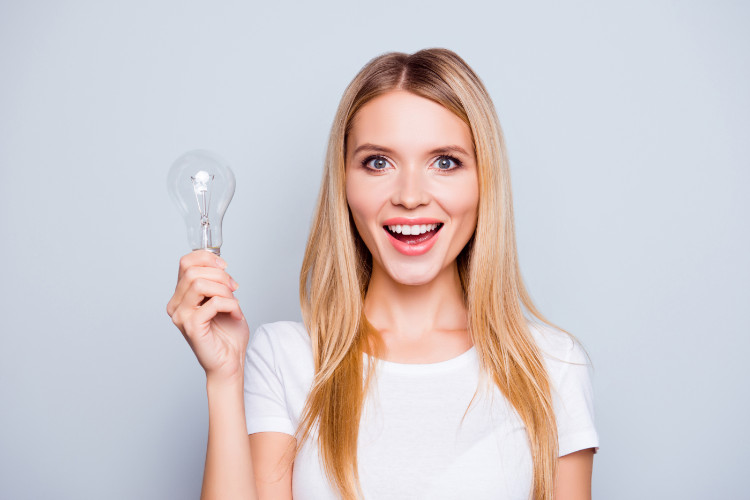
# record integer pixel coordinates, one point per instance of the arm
(229, 469)
(273, 454)
(205, 310)
(269, 427)
(257, 468)
(573, 480)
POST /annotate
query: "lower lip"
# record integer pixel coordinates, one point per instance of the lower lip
(413, 249)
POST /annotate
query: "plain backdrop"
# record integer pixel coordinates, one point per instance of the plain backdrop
(627, 126)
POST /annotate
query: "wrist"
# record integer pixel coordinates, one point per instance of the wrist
(219, 383)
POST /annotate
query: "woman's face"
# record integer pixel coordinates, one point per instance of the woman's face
(411, 184)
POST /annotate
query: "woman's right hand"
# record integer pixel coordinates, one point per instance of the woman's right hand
(204, 309)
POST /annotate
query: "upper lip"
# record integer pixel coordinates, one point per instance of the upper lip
(403, 221)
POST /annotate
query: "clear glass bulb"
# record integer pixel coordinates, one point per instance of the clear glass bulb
(201, 184)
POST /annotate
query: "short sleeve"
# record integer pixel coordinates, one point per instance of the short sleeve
(265, 401)
(573, 402)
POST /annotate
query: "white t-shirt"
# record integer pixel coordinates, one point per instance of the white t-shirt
(412, 442)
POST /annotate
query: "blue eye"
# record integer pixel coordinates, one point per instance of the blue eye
(444, 163)
(375, 162)
(447, 163)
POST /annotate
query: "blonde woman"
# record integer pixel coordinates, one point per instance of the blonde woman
(422, 369)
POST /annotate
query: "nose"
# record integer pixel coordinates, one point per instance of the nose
(410, 191)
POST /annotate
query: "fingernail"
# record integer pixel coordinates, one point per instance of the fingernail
(221, 262)
(235, 285)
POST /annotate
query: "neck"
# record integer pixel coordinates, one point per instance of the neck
(412, 313)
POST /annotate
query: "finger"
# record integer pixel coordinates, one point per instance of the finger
(203, 288)
(194, 273)
(202, 258)
(214, 306)
(201, 292)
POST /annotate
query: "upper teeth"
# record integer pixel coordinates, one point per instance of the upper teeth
(417, 229)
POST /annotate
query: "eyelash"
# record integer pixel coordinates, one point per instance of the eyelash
(456, 161)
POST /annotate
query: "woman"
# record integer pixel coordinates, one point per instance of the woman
(415, 373)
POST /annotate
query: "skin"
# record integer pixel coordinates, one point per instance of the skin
(414, 301)
(574, 475)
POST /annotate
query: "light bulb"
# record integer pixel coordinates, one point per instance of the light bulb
(201, 184)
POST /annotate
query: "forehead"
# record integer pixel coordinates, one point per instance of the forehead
(408, 124)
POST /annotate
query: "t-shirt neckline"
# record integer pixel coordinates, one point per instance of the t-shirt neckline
(424, 368)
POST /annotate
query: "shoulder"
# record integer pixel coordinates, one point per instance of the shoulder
(280, 343)
(278, 373)
(568, 367)
(286, 333)
(558, 348)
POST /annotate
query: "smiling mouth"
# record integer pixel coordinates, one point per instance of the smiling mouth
(413, 235)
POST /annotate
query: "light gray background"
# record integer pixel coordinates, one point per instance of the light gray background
(627, 126)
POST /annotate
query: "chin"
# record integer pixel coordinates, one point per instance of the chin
(413, 281)
(413, 276)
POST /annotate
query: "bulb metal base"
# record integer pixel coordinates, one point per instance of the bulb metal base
(214, 250)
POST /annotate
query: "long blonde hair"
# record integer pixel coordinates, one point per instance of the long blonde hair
(337, 266)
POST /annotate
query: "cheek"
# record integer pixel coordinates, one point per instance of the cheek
(366, 196)
(461, 201)
(361, 205)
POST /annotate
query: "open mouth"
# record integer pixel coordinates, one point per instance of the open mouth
(413, 235)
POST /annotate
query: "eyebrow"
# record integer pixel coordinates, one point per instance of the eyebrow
(441, 150)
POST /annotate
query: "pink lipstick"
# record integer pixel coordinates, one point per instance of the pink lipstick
(412, 236)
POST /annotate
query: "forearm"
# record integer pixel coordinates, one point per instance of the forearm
(229, 471)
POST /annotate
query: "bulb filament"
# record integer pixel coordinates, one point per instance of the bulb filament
(203, 198)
